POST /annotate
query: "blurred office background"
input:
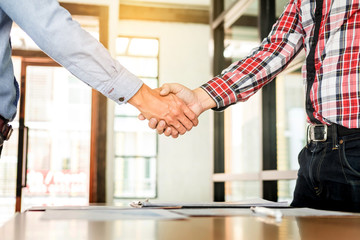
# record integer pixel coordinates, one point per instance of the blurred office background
(76, 148)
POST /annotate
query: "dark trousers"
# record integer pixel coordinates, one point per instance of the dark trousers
(329, 175)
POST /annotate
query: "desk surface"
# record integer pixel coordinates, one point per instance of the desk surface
(28, 225)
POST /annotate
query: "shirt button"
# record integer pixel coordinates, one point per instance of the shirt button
(121, 99)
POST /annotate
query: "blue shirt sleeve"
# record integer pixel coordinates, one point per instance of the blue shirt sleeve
(58, 35)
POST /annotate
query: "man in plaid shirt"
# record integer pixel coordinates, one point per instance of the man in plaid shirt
(329, 31)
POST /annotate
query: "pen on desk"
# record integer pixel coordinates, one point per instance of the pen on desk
(275, 213)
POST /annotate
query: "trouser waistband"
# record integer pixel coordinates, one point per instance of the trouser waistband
(322, 132)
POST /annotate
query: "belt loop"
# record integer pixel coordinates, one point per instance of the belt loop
(334, 137)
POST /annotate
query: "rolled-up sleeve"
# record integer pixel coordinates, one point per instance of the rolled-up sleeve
(58, 35)
(244, 78)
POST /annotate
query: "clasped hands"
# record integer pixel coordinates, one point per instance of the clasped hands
(173, 109)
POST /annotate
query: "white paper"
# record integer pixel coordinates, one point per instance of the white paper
(93, 207)
(238, 204)
(290, 212)
(111, 214)
(309, 212)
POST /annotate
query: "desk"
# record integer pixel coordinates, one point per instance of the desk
(29, 226)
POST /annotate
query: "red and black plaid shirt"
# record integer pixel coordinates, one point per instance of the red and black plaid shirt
(336, 89)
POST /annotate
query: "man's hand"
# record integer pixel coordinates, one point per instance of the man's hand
(197, 100)
(168, 108)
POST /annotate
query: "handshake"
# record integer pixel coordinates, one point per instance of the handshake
(173, 108)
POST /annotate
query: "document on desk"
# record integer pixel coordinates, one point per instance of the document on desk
(288, 212)
(111, 214)
(258, 202)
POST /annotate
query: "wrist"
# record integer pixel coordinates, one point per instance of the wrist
(138, 99)
(204, 99)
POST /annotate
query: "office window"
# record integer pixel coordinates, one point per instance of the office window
(291, 119)
(251, 166)
(135, 143)
(242, 123)
(59, 137)
(59, 143)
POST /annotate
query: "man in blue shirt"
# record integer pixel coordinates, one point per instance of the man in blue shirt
(58, 35)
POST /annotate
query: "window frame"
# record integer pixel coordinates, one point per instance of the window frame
(269, 175)
(156, 156)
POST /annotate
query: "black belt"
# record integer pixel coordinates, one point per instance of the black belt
(5, 131)
(322, 132)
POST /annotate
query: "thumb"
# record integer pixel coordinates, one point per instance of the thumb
(170, 88)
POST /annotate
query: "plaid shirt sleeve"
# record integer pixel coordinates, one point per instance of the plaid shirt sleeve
(244, 78)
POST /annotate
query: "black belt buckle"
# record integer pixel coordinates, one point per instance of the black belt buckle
(317, 133)
(5, 133)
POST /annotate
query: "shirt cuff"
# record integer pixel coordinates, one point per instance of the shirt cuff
(123, 87)
(220, 92)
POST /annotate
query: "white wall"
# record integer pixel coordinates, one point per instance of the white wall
(185, 164)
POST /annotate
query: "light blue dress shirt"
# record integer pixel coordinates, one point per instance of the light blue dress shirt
(53, 30)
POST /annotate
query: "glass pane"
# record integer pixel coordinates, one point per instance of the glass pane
(8, 167)
(135, 143)
(235, 191)
(135, 177)
(291, 119)
(280, 6)
(58, 114)
(285, 190)
(142, 67)
(8, 163)
(151, 82)
(39, 100)
(243, 134)
(252, 10)
(122, 44)
(243, 137)
(144, 47)
(89, 23)
(239, 41)
(131, 124)
(20, 40)
(126, 110)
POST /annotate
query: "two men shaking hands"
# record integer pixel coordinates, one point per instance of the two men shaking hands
(175, 111)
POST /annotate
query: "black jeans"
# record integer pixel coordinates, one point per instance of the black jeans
(329, 177)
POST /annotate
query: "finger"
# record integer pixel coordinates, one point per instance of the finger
(174, 132)
(168, 131)
(141, 117)
(170, 88)
(191, 116)
(153, 123)
(161, 127)
(165, 89)
(185, 122)
(179, 127)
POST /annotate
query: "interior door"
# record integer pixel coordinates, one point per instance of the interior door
(54, 137)
(21, 178)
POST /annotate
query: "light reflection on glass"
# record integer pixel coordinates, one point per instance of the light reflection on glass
(144, 47)
(236, 191)
(122, 45)
(135, 143)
